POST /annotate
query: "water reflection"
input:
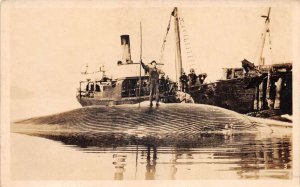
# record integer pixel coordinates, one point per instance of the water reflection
(271, 158)
(201, 156)
(120, 162)
(151, 163)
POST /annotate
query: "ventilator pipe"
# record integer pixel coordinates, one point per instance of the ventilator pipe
(125, 44)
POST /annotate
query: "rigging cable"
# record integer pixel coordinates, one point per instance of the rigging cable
(188, 48)
(164, 42)
(270, 45)
(90, 73)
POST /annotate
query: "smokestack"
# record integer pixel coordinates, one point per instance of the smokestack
(125, 44)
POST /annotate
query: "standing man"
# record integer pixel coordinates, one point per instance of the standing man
(183, 82)
(202, 77)
(192, 78)
(154, 80)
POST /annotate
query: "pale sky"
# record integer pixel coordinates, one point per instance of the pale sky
(49, 46)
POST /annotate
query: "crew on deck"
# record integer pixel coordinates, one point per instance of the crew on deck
(184, 82)
(202, 77)
(192, 78)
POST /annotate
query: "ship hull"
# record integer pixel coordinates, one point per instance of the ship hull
(249, 95)
(86, 101)
(231, 94)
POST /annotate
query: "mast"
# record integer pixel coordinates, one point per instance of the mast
(178, 47)
(267, 22)
(141, 50)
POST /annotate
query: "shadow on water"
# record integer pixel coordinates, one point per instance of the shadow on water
(210, 144)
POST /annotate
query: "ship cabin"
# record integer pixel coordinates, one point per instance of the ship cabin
(232, 73)
(126, 90)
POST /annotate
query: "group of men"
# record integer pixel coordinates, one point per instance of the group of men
(189, 81)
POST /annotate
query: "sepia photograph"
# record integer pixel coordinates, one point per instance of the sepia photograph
(146, 91)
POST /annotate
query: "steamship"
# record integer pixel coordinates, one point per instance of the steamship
(128, 89)
(122, 90)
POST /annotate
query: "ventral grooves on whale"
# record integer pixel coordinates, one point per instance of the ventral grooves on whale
(166, 117)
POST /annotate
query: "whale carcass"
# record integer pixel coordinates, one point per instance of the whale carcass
(134, 124)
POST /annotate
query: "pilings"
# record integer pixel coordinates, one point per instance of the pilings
(256, 98)
(268, 93)
(260, 96)
(277, 103)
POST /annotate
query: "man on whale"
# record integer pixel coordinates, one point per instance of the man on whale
(154, 73)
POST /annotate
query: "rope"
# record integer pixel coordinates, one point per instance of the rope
(270, 46)
(268, 35)
(89, 73)
(187, 44)
(86, 73)
(188, 48)
(164, 42)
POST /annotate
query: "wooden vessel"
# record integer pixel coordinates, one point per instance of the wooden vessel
(270, 92)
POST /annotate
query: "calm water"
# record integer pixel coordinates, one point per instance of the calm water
(214, 157)
(229, 157)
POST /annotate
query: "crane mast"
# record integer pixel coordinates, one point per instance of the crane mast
(178, 46)
(267, 22)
